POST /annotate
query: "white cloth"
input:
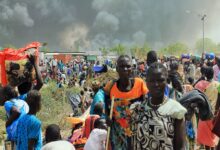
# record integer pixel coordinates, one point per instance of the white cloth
(172, 108)
(165, 65)
(54, 62)
(134, 62)
(58, 145)
(96, 140)
(63, 76)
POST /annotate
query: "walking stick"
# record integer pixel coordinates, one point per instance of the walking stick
(109, 128)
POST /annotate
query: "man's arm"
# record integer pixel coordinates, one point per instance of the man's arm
(33, 60)
(179, 135)
(31, 144)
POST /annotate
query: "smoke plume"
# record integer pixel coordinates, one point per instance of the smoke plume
(72, 24)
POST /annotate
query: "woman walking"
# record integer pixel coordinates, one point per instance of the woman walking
(210, 88)
(158, 122)
(126, 91)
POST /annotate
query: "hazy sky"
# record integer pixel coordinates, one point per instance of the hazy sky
(90, 24)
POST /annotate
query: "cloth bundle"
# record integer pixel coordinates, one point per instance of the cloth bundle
(196, 98)
(172, 108)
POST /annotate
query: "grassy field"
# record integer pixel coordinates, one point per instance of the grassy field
(2, 124)
(55, 108)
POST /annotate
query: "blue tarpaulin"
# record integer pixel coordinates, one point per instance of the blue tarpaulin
(97, 68)
(100, 69)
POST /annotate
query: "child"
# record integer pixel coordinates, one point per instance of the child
(99, 109)
(29, 126)
(15, 108)
(97, 137)
(54, 140)
(90, 120)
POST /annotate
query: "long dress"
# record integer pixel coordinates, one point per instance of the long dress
(120, 130)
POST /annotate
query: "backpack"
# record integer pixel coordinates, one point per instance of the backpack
(89, 124)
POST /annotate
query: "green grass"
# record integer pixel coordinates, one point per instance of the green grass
(2, 124)
(55, 106)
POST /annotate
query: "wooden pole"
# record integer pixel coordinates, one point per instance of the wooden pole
(109, 128)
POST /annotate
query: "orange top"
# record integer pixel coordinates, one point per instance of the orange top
(137, 90)
(123, 100)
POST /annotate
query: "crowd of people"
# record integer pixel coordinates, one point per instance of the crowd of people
(71, 73)
(140, 110)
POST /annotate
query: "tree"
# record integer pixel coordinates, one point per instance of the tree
(218, 48)
(134, 50)
(44, 44)
(209, 45)
(44, 47)
(104, 51)
(119, 49)
(175, 49)
(140, 52)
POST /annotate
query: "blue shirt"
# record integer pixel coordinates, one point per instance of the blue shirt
(29, 127)
(98, 98)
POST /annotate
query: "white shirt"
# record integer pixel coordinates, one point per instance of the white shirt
(96, 140)
(58, 145)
